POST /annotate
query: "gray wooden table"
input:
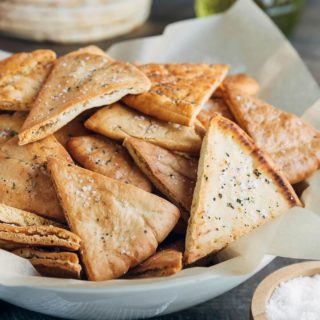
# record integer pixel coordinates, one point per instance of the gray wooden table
(235, 304)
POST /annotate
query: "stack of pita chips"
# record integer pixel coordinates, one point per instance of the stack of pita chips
(72, 21)
(114, 164)
(47, 244)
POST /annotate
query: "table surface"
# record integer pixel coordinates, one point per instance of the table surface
(234, 304)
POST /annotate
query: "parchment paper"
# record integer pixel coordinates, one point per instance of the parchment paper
(245, 38)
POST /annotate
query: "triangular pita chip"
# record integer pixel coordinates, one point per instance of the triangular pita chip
(240, 82)
(21, 77)
(237, 190)
(39, 236)
(178, 91)
(23, 218)
(119, 225)
(118, 122)
(10, 125)
(52, 264)
(24, 180)
(172, 174)
(79, 81)
(293, 145)
(106, 157)
(212, 106)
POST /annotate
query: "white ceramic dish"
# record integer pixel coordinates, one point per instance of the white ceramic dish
(122, 299)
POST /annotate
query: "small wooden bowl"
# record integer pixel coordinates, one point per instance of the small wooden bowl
(265, 289)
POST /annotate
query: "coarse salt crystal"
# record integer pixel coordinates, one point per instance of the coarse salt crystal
(296, 299)
(86, 188)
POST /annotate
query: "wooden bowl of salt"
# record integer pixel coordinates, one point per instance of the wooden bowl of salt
(288, 285)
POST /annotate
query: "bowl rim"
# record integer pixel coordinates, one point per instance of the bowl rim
(184, 278)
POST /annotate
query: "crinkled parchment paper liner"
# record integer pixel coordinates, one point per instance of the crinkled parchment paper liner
(246, 39)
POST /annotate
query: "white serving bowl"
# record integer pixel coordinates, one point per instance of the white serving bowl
(120, 299)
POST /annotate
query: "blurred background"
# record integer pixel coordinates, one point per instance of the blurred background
(64, 25)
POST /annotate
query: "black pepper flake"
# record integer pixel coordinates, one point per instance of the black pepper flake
(145, 231)
(220, 195)
(227, 154)
(267, 181)
(206, 177)
(230, 205)
(217, 229)
(214, 199)
(257, 172)
(239, 201)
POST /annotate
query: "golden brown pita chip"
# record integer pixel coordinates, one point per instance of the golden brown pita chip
(102, 155)
(79, 81)
(172, 174)
(21, 77)
(74, 128)
(237, 190)
(120, 225)
(24, 180)
(37, 152)
(162, 264)
(178, 91)
(240, 82)
(118, 122)
(212, 106)
(10, 125)
(52, 264)
(293, 145)
(39, 236)
(23, 218)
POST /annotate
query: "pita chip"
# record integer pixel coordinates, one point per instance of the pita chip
(239, 82)
(21, 77)
(212, 106)
(74, 128)
(24, 180)
(52, 264)
(172, 174)
(237, 190)
(101, 155)
(119, 225)
(164, 263)
(79, 81)
(23, 218)
(178, 91)
(293, 145)
(39, 236)
(10, 125)
(119, 122)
